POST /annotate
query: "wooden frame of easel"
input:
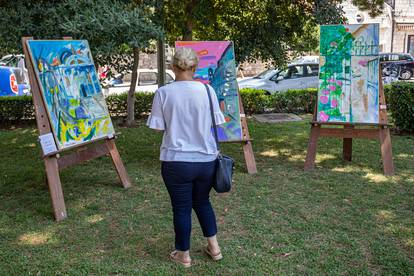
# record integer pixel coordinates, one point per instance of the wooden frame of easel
(246, 142)
(57, 161)
(380, 131)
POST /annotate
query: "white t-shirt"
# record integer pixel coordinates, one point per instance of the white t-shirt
(182, 110)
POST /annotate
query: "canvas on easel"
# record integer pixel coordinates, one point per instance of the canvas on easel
(217, 67)
(350, 91)
(71, 112)
(71, 91)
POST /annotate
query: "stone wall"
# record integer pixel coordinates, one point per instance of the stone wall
(249, 69)
(403, 18)
(401, 40)
(149, 61)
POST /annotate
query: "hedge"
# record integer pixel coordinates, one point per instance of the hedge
(295, 101)
(16, 108)
(292, 101)
(21, 107)
(117, 104)
(254, 101)
(400, 100)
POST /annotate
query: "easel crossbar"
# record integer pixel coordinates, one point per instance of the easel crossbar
(348, 124)
(82, 155)
(350, 133)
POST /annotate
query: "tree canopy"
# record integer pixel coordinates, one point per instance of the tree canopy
(373, 7)
(260, 29)
(108, 25)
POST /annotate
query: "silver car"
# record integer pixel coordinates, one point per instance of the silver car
(295, 76)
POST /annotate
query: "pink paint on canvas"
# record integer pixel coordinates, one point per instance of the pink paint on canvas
(363, 62)
(324, 99)
(334, 103)
(209, 52)
(323, 116)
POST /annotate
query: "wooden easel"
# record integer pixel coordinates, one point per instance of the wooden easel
(246, 142)
(380, 131)
(56, 162)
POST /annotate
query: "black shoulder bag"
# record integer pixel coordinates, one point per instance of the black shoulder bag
(225, 164)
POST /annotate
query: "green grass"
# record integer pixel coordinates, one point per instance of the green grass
(341, 218)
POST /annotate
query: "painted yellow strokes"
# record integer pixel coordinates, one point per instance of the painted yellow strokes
(83, 130)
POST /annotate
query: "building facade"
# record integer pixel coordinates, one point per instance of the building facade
(396, 24)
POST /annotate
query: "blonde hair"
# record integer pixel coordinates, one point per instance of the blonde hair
(185, 59)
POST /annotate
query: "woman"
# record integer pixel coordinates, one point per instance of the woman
(188, 153)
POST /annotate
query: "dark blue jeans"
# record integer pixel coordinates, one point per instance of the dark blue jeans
(189, 185)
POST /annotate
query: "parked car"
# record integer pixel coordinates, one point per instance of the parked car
(13, 76)
(12, 82)
(12, 60)
(402, 63)
(147, 81)
(296, 76)
(306, 59)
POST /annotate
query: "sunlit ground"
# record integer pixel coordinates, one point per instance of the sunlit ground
(341, 218)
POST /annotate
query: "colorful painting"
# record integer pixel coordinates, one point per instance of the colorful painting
(349, 73)
(217, 67)
(71, 91)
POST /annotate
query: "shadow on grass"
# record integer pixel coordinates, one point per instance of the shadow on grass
(341, 217)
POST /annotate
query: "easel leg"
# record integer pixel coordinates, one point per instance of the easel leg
(55, 188)
(118, 164)
(386, 151)
(347, 146)
(249, 157)
(312, 146)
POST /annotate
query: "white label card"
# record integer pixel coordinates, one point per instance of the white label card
(48, 143)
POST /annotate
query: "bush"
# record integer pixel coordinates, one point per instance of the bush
(21, 107)
(117, 105)
(16, 108)
(400, 102)
(143, 104)
(295, 101)
(292, 101)
(399, 96)
(254, 101)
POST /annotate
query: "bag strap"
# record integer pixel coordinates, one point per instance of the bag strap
(212, 117)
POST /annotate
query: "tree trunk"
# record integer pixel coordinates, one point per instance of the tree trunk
(130, 122)
(161, 62)
(188, 32)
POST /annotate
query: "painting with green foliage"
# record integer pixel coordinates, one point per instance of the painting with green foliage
(349, 73)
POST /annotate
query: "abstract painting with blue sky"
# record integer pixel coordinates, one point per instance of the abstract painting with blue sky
(71, 91)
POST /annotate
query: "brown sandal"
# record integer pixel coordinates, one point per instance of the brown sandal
(216, 257)
(173, 257)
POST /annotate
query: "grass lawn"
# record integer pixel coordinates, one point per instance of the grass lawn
(341, 218)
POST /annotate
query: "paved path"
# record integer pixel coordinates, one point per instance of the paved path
(277, 117)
